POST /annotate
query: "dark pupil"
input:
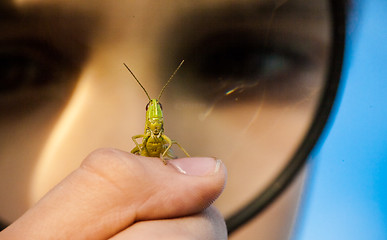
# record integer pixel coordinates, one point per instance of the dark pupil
(146, 108)
(161, 106)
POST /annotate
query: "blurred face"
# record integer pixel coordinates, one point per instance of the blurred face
(247, 92)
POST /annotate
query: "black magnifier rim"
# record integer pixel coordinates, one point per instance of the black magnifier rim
(284, 179)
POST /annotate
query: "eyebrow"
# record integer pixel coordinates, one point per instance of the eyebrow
(256, 23)
(259, 15)
(251, 8)
(255, 13)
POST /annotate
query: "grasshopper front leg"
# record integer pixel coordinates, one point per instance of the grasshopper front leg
(169, 142)
(134, 150)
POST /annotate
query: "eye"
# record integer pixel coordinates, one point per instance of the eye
(161, 106)
(32, 74)
(146, 107)
(240, 66)
(24, 67)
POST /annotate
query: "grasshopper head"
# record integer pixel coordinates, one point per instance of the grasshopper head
(154, 116)
(154, 109)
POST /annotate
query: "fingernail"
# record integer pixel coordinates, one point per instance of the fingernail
(197, 166)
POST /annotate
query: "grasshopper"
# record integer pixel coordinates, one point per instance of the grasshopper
(154, 142)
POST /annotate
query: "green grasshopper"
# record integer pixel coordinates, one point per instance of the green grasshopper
(154, 142)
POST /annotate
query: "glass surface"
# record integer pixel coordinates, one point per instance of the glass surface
(247, 92)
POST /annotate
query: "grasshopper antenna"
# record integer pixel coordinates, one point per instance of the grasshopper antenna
(138, 82)
(169, 80)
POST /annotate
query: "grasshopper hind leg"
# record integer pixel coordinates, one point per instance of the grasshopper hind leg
(182, 149)
(169, 155)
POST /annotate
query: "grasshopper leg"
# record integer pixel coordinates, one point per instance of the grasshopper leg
(137, 148)
(164, 160)
(182, 149)
(169, 142)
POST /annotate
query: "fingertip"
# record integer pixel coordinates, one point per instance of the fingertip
(197, 166)
(212, 171)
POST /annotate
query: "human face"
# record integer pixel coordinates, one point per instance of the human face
(247, 92)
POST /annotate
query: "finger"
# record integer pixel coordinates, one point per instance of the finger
(208, 224)
(113, 189)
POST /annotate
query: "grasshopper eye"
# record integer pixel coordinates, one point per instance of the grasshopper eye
(161, 106)
(146, 108)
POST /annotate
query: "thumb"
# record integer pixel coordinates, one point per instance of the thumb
(113, 189)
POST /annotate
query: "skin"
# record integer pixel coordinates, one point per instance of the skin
(97, 103)
(124, 196)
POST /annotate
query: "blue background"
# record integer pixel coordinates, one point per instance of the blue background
(346, 195)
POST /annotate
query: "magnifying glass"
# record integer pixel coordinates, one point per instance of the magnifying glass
(260, 92)
(255, 90)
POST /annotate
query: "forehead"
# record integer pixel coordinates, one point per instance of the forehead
(156, 13)
(148, 20)
(103, 6)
